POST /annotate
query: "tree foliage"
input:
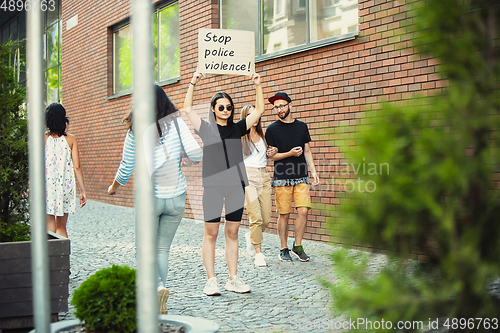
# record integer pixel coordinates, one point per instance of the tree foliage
(441, 197)
(13, 153)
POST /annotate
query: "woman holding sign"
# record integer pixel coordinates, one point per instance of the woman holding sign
(224, 177)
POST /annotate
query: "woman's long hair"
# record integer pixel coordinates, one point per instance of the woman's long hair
(163, 106)
(245, 140)
(55, 119)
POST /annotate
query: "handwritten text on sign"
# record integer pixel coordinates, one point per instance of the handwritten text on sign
(225, 51)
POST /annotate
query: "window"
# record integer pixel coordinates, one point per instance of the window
(122, 59)
(52, 54)
(290, 29)
(279, 8)
(288, 26)
(241, 15)
(167, 54)
(15, 30)
(166, 49)
(329, 3)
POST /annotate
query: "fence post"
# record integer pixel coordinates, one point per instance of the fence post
(36, 120)
(143, 117)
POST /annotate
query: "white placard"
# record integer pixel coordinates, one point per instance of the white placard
(226, 51)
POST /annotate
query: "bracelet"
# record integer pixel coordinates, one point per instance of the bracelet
(192, 83)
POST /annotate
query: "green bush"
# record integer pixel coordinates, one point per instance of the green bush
(15, 232)
(106, 301)
(440, 196)
(13, 153)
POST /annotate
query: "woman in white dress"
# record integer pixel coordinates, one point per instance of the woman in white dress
(61, 164)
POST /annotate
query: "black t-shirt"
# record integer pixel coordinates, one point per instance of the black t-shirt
(223, 154)
(285, 136)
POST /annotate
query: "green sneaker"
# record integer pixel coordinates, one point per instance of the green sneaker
(298, 251)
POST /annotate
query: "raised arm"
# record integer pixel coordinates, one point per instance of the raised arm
(254, 117)
(188, 101)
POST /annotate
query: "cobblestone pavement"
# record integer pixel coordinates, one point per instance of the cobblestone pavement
(283, 294)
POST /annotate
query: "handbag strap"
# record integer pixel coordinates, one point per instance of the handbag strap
(179, 134)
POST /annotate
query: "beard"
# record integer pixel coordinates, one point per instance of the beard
(285, 115)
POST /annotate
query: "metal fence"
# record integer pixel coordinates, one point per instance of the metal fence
(143, 97)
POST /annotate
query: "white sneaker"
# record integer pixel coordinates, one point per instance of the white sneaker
(250, 249)
(237, 285)
(162, 299)
(260, 260)
(212, 287)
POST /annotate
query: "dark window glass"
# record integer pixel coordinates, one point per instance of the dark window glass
(13, 30)
(5, 35)
(52, 14)
(22, 25)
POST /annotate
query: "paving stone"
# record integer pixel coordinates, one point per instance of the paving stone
(103, 234)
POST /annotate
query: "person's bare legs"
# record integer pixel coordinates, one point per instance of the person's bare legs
(231, 233)
(283, 229)
(300, 224)
(51, 223)
(61, 225)
(208, 247)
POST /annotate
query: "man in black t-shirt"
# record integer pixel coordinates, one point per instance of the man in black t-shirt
(291, 177)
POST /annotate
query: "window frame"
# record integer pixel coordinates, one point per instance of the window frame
(47, 68)
(260, 57)
(299, 8)
(158, 6)
(119, 26)
(20, 50)
(19, 21)
(279, 14)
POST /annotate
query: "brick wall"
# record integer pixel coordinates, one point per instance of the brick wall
(330, 86)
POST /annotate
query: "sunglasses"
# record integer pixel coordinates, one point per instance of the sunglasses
(228, 108)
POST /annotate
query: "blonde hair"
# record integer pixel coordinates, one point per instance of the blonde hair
(245, 140)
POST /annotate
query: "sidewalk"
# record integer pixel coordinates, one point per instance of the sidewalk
(283, 294)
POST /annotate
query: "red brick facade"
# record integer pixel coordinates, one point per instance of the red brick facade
(330, 86)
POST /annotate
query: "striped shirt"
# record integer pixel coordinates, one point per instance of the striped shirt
(169, 180)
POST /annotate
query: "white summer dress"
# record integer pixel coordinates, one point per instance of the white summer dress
(59, 177)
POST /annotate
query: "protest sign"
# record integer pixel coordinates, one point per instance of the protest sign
(226, 51)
